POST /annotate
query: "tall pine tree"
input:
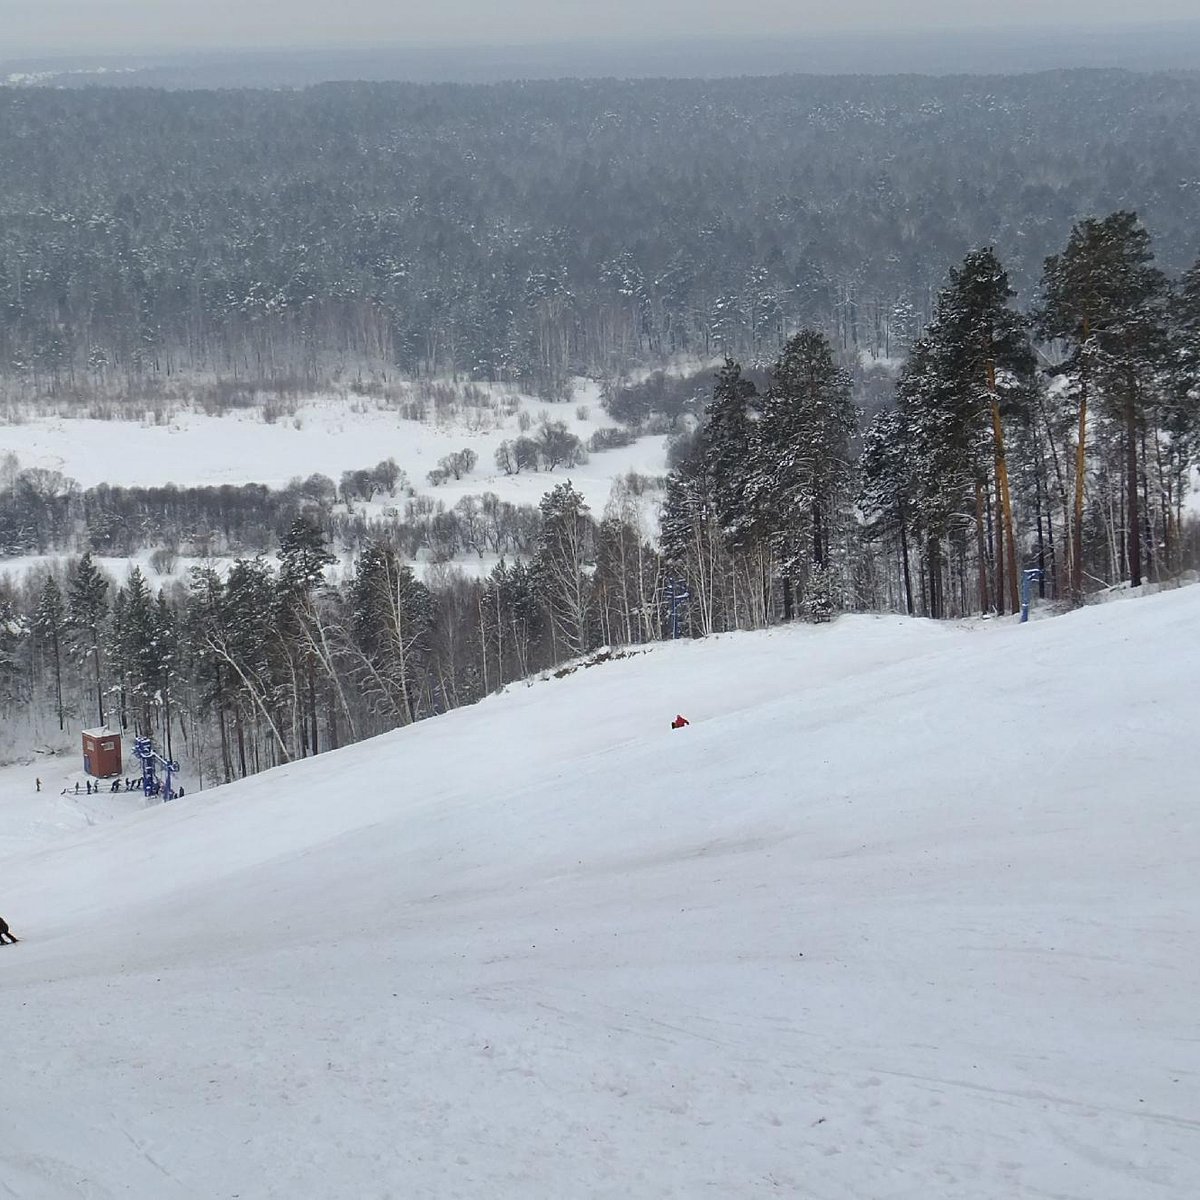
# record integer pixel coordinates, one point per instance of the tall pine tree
(803, 466)
(1106, 302)
(87, 608)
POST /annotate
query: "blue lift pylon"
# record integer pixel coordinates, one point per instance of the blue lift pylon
(143, 750)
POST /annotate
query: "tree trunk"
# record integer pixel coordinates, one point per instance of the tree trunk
(1004, 493)
(58, 700)
(1080, 475)
(1132, 520)
(99, 689)
(908, 591)
(999, 580)
(981, 548)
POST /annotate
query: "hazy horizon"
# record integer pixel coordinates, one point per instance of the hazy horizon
(128, 27)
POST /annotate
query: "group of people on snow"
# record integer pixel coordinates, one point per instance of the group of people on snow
(131, 785)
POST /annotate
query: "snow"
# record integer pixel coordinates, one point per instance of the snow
(908, 910)
(33, 818)
(325, 435)
(870, 361)
(18, 566)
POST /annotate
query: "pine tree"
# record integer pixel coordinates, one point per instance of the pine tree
(87, 607)
(804, 471)
(984, 353)
(973, 366)
(114, 653)
(167, 646)
(200, 633)
(1103, 298)
(303, 557)
(1185, 359)
(941, 466)
(691, 539)
(886, 485)
(1185, 333)
(566, 547)
(49, 624)
(143, 640)
(727, 445)
(15, 667)
(245, 636)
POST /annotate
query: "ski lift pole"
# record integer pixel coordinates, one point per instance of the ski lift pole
(1029, 577)
(143, 750)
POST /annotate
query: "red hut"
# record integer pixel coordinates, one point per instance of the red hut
(101, 752)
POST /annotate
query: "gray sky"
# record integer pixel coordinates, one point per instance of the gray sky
(30, 27)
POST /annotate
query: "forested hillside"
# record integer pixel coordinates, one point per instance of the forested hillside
(987, 477)
(1038, 410)
(526, 231)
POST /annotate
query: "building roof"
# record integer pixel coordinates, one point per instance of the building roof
(104, 731)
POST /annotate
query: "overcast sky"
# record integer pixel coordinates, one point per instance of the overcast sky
(29, 27)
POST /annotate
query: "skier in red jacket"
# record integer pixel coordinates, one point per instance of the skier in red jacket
(679, 722)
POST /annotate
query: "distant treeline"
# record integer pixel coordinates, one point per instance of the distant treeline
(526, 231)
(45, 512)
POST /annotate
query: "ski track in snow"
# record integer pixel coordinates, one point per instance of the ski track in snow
(908, 911)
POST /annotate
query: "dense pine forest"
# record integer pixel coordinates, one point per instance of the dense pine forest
(1039, 411)
(528, 231)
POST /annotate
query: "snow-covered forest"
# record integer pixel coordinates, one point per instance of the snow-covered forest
(532, 231)
(785, 347)
(1056, 443)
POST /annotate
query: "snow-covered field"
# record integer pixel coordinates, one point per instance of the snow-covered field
(908, 911)
(33, 818)
(325, 435)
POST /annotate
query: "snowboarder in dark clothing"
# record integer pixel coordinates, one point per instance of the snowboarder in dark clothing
(6, 933)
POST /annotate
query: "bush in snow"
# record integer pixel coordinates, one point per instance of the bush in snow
(611, 437)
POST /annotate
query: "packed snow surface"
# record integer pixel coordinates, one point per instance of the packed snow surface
(908, 910)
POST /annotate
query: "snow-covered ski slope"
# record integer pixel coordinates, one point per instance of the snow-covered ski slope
(908, 910)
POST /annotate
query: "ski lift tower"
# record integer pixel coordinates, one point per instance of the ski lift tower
(143, 750)
(1029, 577)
